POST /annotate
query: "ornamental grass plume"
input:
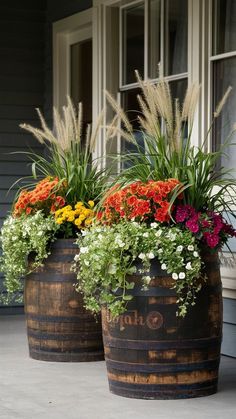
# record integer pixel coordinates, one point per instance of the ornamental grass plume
(69, 154)
(167, 152)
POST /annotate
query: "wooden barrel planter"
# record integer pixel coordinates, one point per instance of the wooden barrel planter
(58, 326)
(152, 354)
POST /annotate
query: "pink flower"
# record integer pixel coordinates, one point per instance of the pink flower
(211, 239)
(192, 225)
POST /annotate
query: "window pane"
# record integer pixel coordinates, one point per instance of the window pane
(224, 26)
(178, 89)
(133, 42)
(225, 75)
(81, 77)
(154, 38)
(176, 36)
(130, 105)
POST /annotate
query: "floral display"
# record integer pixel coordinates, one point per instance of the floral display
(140, 201)
(168, 204)
(58, 202)
(21, 236)
(210, 228)
(46, 196)
(107, 256)
(72, 220)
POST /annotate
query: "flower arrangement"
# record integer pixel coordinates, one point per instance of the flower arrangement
(140, 201)
(46, 196)
(210, 228)
(58, 203)
(168, 204)
(132, 229)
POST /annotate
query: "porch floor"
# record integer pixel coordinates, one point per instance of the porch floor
(32, 389)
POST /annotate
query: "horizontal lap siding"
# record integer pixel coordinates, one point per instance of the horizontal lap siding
(22, 70)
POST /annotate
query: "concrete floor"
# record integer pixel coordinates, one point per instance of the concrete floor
(32, 389)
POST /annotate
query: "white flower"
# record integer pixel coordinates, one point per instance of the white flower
(145, 234)
(153, 225)
(191, 247)
(142, 256)
(147, 279)
(172, 236)
(160, 251)
(189, 266)
(163, 266)
(175, 275)
(83, 232)
(195, 254)
(150, 255)
(121, 244)
(86, 262)
(158, 233)
(76, 258)
(112, 269)
(179, 249)
(181, 275)
(84, 250)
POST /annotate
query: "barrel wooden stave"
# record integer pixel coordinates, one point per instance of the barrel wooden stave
(152, 354)
(58, 326)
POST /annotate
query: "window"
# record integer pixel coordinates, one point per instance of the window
(223, 61)
(153, 39)
(72, 61)
(81, 78)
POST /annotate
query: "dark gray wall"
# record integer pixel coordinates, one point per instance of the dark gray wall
(22, 33)
(25, 80)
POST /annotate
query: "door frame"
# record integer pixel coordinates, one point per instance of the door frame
(68, 31)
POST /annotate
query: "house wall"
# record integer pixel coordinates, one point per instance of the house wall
(22, 30)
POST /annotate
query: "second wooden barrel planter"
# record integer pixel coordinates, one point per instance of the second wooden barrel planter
(152, 354)
(58, 326)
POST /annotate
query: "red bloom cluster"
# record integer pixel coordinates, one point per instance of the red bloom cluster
(139, 201)
(45, 196)
(210, 227)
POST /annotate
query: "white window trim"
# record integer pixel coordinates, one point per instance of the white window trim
(66, 32)
(194, 62)
(228, 274)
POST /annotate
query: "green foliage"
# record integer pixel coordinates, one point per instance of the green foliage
(108, 254)
(69, 154)
(20, 237)
(168, 151)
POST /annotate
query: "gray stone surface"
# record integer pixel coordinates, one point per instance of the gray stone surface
(32, 389)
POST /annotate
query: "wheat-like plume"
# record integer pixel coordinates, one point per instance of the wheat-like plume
(222, 102)
(190, 103)
(67, 128)
(178, 126)
(119, 111)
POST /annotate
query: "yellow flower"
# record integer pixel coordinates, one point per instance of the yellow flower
(77, 212)
(67, 208)
(88, 221)
(59, 220)
(79, 205)
(77, 222)
(91, 204)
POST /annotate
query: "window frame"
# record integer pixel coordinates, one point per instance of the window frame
(100, 24)
(66, 32)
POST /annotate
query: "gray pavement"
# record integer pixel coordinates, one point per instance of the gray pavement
(32, 389)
